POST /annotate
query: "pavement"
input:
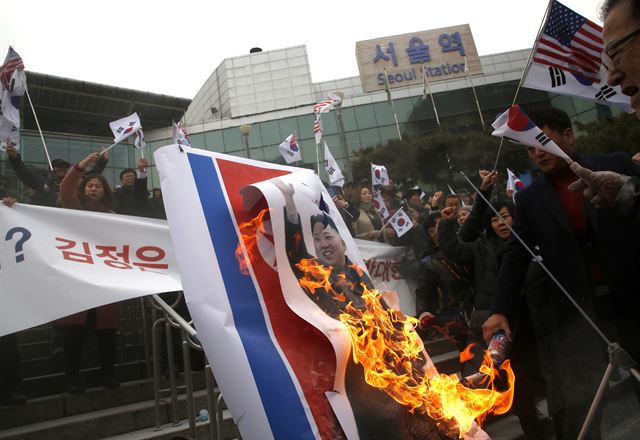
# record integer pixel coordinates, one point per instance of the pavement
(621, 418)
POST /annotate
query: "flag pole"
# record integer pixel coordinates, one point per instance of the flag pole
(318, 160)
(390, 99)
(525, 70)
(473, 89)
(427, 85)
(26, 89)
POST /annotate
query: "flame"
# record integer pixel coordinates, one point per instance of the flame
(248, 231)
(385, 343)
(392, 354)
(466, 354)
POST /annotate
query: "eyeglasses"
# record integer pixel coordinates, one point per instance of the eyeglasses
(610, 53)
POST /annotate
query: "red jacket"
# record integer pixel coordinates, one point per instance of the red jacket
(107, 317)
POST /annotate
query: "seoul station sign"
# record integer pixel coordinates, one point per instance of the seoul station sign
(442, 52)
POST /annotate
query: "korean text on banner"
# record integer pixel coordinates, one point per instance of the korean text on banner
(82, 260)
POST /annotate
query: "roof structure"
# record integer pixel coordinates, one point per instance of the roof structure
(66, 105)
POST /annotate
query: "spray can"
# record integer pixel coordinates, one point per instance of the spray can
(499, 347)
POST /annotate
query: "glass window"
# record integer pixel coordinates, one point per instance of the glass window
(272, 154)
(58, 148)
(119, 156)
(214, 141)
(288, 126)
(365, 116)
(387, 133)
(78, 150)
(305, 124)
(232, 139)
(384, 114)
(270, 133)
(370, 137)
(349, 119)
(404, 108)
(197, 140)
(353, 142)
(333, 142)
(31, 149)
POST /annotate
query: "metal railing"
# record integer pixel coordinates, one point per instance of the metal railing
(170, 319)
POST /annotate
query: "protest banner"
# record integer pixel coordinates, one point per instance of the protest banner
(56, 262)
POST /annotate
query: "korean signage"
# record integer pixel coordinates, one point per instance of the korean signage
(439, 53)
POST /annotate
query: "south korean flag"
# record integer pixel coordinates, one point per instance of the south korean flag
(401, 222)
(379, 175)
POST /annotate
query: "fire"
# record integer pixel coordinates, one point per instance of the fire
(248, 231)
(466, 354)
(385, 343)
(392, 354)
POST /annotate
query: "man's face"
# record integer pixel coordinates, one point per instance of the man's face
(625, 71)
(452, 202)
(329, 246)
(550, 163)
(414, 199)
(127, 179)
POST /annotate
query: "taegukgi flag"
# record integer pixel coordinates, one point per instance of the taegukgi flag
(401, 222)
(125, 127)
(331, 167)
(12, 87)
(289, 149)
(139, 142)
(513, 183)
(381, 207)
(82, 260)
(379, 175)
(566, 59)
(180, 135)
(282, 361)
(516, 126)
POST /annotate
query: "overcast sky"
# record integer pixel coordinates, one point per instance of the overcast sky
(172, 47)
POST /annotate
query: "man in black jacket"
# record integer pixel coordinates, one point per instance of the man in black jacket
(594, 255)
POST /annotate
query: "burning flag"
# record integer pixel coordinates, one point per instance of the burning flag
(284, 357)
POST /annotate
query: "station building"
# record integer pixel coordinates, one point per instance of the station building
(251, 102)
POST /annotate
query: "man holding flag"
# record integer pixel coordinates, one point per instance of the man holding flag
(589, 252)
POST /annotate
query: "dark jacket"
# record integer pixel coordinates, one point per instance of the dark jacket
(442, 284)
(134, 200)
(539, 219)
(482, 253)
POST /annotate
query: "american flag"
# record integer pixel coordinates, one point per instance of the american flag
(12, 62)
(570, 42)
(323, 107)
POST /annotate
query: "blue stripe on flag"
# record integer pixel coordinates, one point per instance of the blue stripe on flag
(280, 399)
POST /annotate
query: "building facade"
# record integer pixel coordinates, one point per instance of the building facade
(271, 94)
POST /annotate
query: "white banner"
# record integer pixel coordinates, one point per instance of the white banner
(383, 263)
(55, 262)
